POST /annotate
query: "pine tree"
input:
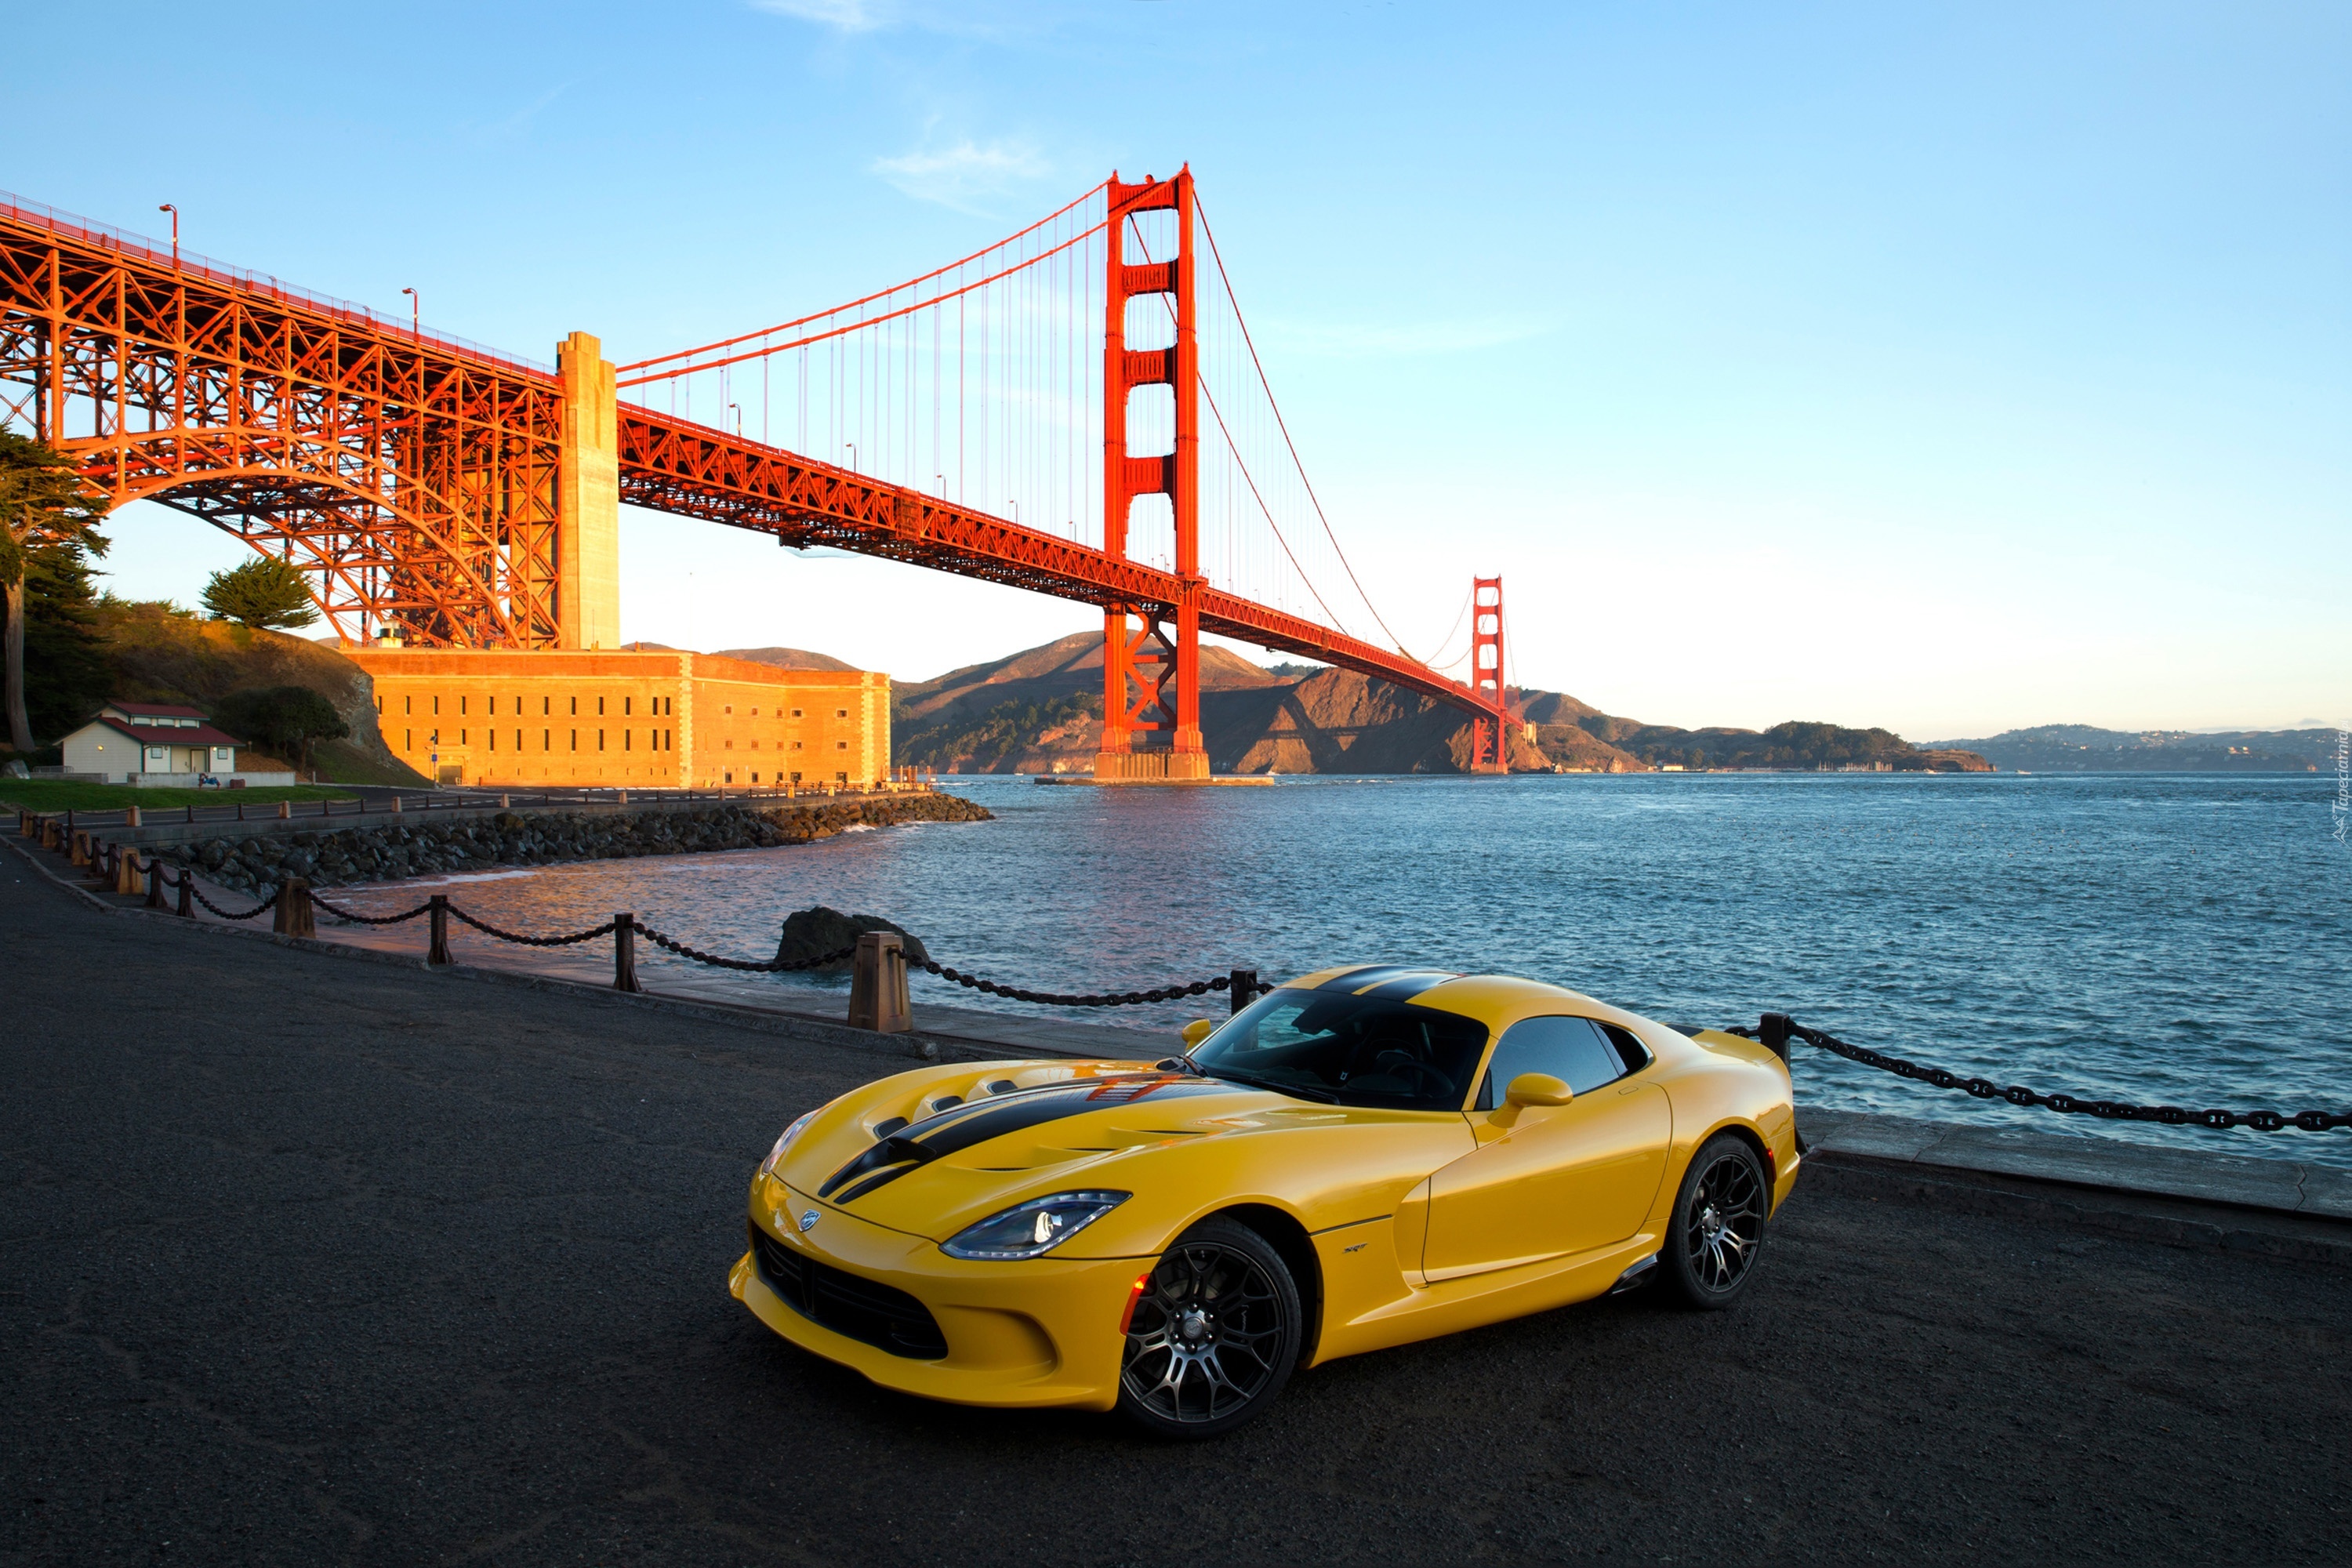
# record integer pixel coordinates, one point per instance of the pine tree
(263, 593)
(44, 502)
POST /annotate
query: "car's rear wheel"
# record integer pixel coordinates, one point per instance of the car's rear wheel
(1213, 1336)
(1717, 1227)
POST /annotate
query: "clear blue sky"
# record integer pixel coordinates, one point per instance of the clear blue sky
(1946, 368)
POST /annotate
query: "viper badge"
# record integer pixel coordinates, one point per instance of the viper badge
(808, 1221)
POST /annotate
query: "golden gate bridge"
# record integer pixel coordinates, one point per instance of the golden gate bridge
(1079, 410)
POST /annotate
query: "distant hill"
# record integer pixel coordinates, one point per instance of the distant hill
(1040, 711)
(782, 657)
(2080, 748)
(161, 654)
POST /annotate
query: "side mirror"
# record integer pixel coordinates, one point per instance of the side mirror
(1538, 1089)
(1196, 1031)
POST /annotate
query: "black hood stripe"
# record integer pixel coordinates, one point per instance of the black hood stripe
(954, 1130)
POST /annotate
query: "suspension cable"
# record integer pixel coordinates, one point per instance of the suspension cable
(881, 294)
(1284, 425)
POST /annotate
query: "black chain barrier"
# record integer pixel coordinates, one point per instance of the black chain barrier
(1056, 999)
(352, 917)
(1778, 1028)
(753, 967)
(607, 928)
(262, 908)
(749, 965)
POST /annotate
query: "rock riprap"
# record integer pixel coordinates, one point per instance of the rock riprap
(388, 852)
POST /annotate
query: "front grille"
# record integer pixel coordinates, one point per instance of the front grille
(858, 1308)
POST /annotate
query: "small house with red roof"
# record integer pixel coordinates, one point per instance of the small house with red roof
(153, 744)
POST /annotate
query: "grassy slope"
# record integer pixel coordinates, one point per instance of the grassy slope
(61, 794)
(159, 656)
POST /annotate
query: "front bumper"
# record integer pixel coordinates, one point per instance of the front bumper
(1040, 1332)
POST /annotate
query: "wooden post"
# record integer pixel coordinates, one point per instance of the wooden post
(187, 892)
(285, 810)
(154, 883)
(129, 876)
(878, 985)
(293, 916)
(439, 952)
(1244, 984)
(502, 802)
(395, 805)
(624, 951)
(130, 816)
(192, 813)
(80, 856)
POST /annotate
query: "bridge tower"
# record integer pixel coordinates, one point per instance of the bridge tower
(1490, 747)
(1151, 670)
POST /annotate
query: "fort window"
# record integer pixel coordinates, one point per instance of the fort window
(841, 745)
(841, 712)
(599, 740)
(408, 705)
(624, 740)
(436, 702)
(796, 745)
(575, 706)
(547, 740)
(379, 705)
(728, 709)
(434, 739)
(600, 708)
(627, 704)
(464, 737)
(543, 709)
(518, 740)
(796, 712)
(796, 778)
(841, 778)
(575, 740)
(494, 740)
(408, 740)
(461, 705)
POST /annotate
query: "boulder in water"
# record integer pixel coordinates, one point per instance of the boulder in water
(813, 933)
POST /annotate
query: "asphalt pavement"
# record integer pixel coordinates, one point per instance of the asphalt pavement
(307, 1259)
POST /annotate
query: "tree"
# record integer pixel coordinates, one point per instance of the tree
(44, 503)
(263, 593)
(283, 718)
(68, 667)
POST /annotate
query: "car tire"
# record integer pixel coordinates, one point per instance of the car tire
(1717, 1229)
(1213, 1336)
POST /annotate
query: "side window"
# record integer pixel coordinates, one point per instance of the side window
(1630, 1050)
(1574, 1050)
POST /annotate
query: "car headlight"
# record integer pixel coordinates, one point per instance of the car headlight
(1034, 1228)
(768, 1165)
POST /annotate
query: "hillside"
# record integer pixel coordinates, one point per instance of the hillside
(784, 658)
(163, 655)
(1039, 712)
(2080, 748)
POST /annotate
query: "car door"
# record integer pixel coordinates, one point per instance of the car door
(1551, 1181)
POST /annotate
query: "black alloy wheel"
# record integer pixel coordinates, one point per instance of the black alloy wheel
(1717, 1228)
(1213, 1336)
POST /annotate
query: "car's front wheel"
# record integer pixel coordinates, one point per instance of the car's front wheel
(1213, 1336)
(1717, 1228)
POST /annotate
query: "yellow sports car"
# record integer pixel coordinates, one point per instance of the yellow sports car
(1361, 1158)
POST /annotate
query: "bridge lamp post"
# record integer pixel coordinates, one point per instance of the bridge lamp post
(736, 410)
(168, 207)
(851, 448)
(415, 315)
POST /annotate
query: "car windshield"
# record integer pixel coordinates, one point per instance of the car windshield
(1350, 1050)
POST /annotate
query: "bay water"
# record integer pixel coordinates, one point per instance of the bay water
(2180, 939)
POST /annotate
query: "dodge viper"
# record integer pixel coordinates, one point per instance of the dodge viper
(1361, 1158)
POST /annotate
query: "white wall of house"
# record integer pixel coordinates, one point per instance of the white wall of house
(115, 757)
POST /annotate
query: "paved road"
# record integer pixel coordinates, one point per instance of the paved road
(309, 1261)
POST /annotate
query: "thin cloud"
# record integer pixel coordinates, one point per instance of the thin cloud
(1343, 340)
(840, 15)
(968, 177)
